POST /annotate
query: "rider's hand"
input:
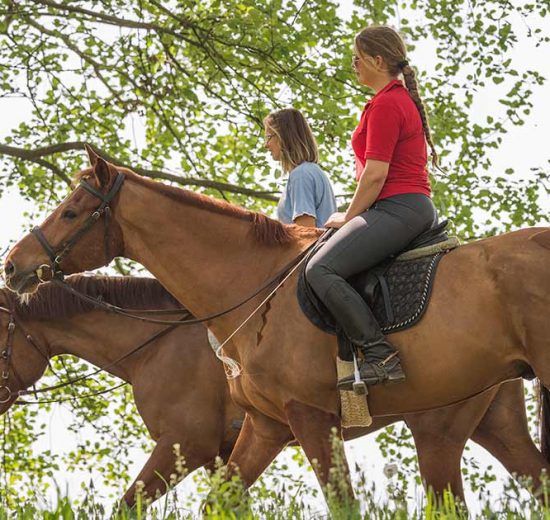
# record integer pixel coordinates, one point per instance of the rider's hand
(336, 220)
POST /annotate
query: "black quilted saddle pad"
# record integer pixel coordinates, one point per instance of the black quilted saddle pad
(398, 293)
(409, 286)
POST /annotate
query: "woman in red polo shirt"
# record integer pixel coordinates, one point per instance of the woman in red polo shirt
(391, 205)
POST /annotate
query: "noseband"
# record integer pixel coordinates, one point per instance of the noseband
(56, 254)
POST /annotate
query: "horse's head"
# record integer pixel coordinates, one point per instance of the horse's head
(22, 360)
(79, 235)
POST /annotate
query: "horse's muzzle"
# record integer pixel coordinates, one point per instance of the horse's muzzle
(22, 283)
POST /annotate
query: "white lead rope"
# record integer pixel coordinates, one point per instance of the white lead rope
(232, 368)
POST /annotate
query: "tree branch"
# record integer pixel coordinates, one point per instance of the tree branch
(37, 155)
(114, 20)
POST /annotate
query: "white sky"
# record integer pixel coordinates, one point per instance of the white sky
(523, 147)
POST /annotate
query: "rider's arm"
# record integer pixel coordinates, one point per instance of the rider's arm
(305, 220)
(368, 188)
(383, 130)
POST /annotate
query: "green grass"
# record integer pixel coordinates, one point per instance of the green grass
(279, 495)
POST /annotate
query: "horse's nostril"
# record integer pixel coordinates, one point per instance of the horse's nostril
(9, 268)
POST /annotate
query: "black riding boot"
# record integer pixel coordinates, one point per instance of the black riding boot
(380, 365)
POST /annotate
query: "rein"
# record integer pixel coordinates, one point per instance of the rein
(78, 379)
(7, 352)
(129, 313)
(232, 367)
(21, 402)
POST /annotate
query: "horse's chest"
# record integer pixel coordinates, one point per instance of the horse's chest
(256, 393)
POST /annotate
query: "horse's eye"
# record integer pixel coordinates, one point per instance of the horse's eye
(68, 214)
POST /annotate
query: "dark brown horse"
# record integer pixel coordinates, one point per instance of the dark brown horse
(486, 322)
(181, 369)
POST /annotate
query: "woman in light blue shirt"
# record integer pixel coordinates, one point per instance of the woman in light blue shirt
(307, 198)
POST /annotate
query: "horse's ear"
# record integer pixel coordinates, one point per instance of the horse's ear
(102, 172)
(542, 238)
(92, 156)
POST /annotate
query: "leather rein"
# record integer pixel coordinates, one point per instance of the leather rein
(6, 358)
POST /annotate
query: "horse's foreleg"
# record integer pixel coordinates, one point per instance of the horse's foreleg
(162, 468)
(320, 436)
(504, 433)
(260, 441)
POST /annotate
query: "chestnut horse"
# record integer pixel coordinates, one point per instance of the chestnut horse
(486, 322)
(176, 402)
(201, 417)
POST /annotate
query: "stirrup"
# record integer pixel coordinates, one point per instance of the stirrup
(359, 387)
(377, 373)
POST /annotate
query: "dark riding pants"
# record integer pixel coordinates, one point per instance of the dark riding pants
(386, 228)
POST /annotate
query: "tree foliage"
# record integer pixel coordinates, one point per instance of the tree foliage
(178, 89)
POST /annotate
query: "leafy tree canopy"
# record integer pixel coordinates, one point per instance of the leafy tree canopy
(178, 90)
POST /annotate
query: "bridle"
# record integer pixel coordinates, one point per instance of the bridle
(6, 357)
(56, 254)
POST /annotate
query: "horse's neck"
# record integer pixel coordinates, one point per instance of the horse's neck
(207, 260)
(98, 338)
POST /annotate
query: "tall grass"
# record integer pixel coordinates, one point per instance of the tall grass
(227, 500)
(280, 495)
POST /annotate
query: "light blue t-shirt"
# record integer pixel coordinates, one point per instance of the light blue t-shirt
(307, 192)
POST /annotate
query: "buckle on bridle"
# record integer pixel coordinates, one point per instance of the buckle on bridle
(2, 401)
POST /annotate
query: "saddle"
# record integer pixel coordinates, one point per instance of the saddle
(397, 290)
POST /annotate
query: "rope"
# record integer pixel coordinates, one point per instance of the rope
(233, 368)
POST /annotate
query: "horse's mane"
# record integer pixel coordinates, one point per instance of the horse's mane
(52, 302)
(265, 230)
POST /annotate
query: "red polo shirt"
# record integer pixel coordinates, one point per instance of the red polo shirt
(390, 130)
